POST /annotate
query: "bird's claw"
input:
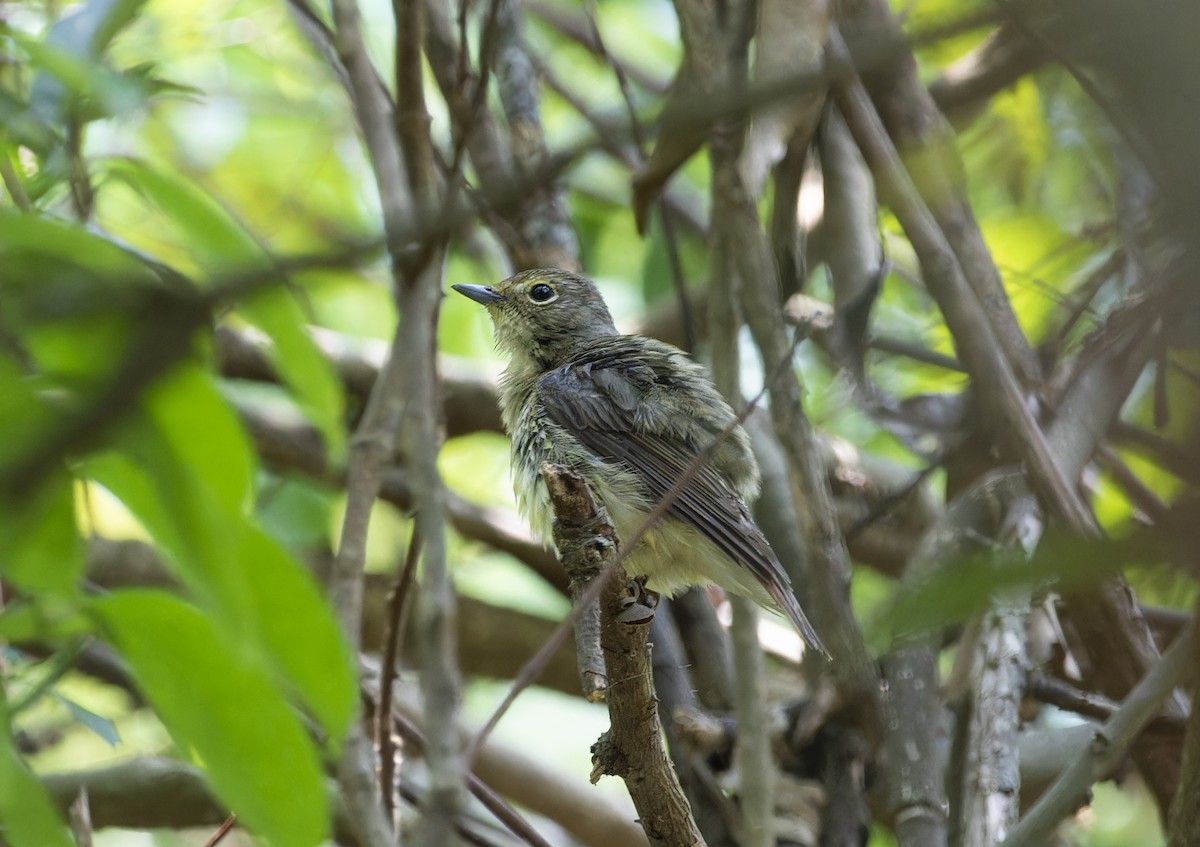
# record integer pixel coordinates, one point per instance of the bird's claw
(638, 606)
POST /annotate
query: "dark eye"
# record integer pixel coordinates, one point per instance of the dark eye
(541, 293)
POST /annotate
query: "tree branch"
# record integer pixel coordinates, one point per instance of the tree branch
(632, 748)
(1109, 743)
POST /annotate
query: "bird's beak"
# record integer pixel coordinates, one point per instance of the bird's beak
(484, 294)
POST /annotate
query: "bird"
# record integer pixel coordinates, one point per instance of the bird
(630, 414)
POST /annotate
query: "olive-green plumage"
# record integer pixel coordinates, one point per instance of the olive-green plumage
(631, 414)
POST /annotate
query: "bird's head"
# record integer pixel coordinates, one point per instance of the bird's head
(542, 316)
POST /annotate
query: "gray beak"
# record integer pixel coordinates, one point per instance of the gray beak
(484, 294)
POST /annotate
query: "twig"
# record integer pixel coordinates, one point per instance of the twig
(1063, 695)
(493, 802)
(755, 761)
(664, 211)
(901, 347)
(465, 123)
(1183, 823)
(391, 649)
(223, 830)
(1140, 495)
(914, 122)
(1109, 744)
(991, 774)
(545, 225)
(582, 566)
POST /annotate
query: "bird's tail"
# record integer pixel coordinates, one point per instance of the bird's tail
(787, 603)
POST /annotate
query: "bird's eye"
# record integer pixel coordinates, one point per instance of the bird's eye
(541, 293)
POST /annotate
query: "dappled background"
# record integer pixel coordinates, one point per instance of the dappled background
(977, 253)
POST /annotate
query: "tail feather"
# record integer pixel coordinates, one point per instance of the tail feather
(788, 604)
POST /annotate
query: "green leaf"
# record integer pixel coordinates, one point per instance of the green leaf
(185, 472)
(204, 435)
(217, 701)
(301, 364)
(27, 815)
(46, 620)
(40, 546)
(301, 633)
(219, 242)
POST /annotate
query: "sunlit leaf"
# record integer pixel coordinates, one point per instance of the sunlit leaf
(301, 364)
(219, 702)
(40, 546)
(298, 628)
(187, 474)
(204, 434)
(220, 243)
(27, 815)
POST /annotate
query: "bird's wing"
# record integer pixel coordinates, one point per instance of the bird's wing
(597, 400)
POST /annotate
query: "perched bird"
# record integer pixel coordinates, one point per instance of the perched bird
(630, 414)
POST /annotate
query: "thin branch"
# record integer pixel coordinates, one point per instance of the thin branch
(374, 112)
(1003, 58)
(977, 344)
(915, 123)
(391, 647)
(493, 802)
(222, 831)
(664, 211)
(1110, 743)
(1063, 695)
(757, 786)
(546, 223)
(991, 773)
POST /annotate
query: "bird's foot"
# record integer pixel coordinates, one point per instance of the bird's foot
(639, 602)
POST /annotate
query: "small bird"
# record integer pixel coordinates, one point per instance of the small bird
(630, 414)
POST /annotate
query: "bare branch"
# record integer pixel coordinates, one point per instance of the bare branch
(632, 748)
(1003, 58)
(914, 122)
(977, 344)
(1109, 743)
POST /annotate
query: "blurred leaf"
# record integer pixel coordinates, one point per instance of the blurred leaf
(967, 584)
(301, 364)
(296, 511)
(301, 633)
(218, 702)
(71, 88)
(219, 243)
(43, 621)
(204, 435)
(22, 126)
(27, 816)
(187, 474)
(40, 547)
(68, 58)
(181, 513)
(98, 724)
(58, 268)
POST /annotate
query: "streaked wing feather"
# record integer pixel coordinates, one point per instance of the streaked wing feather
(598, 405)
